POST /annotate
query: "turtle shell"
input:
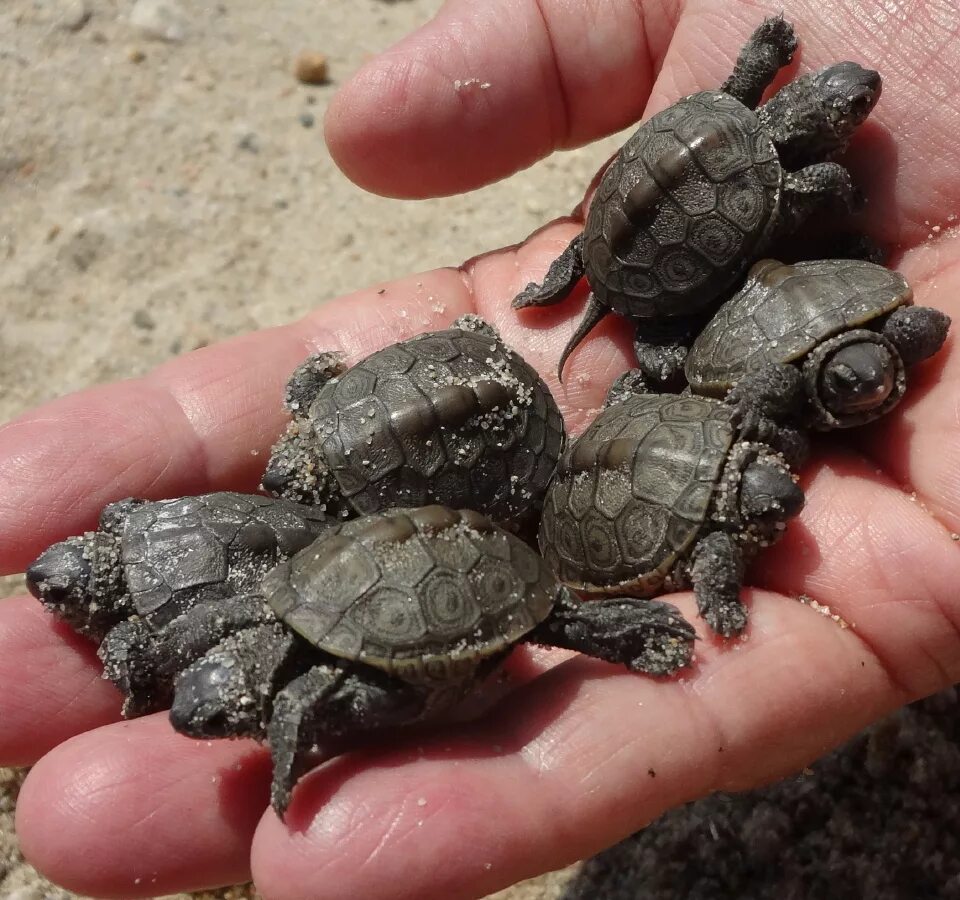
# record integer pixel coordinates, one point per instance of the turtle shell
(423, 594)
(632, 493)
(784, 311)
(176, 552)
(683, 208)
(452, 417)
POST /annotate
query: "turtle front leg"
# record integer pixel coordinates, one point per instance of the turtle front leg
(644, 635)
(766, 400)
(769, 49)
(813, 188)
(561, 278)
(329, 702)
(717, 574)
(916, 331)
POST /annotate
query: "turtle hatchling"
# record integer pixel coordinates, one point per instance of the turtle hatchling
(701, 189)
(154, 560)
(384, 620)
(827, 342)
(660, 493)
(452, 417)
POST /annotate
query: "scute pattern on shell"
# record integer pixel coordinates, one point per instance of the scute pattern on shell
(784, 311)
(424, 594)
(452, 417)
(179, 552)
(702, 179)
(633, 491)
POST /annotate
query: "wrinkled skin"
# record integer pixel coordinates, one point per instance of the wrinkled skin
(563, 769)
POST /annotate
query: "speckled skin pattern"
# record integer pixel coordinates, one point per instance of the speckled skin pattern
(804, 313)
(452, 417)
(633, 492)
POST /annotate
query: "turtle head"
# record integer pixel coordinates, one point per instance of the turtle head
(847, 94)
(857, 378)
(213, 699)
(814, 117)
(79, 580)
(853, 378)
(768, 495)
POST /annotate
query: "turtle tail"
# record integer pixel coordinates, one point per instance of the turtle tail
(592, 316)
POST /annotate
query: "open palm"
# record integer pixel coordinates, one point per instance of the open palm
(579, 754)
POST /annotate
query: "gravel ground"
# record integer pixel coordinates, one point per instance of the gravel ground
(164, 185)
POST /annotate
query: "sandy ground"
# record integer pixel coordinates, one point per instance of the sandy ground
(156, 196)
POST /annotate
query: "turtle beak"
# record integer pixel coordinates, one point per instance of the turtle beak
(60, 577)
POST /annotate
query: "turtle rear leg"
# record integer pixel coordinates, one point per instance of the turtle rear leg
(765, 399)
(329, 702)
(644, 635)
(769, 49)
(561, 278)
(717, 574)
(812, 188)
(661, 347)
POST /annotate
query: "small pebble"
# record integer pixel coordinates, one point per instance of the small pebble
(74, 15)
(159, 20)
(249, 142)
(311, 68)
(143, 319)
(135, 55)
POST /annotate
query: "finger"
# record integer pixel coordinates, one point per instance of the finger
(918, 444)
(53, 689)
(136, 810)
(418, 121)
(199, 423)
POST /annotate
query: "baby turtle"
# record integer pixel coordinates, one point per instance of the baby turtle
(452, 417)
(660, 493)
(701, 189)
(826, 340)
(155, 560)
(384, 620)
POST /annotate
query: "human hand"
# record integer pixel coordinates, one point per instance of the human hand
(580, 754)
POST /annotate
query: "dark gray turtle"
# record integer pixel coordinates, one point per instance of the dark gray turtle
(701, 189)
(827, 341)
(660, 493)
(154, 560)
(453, 417)
(384, 620)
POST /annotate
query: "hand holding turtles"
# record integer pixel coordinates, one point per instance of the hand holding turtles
(568, 765)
